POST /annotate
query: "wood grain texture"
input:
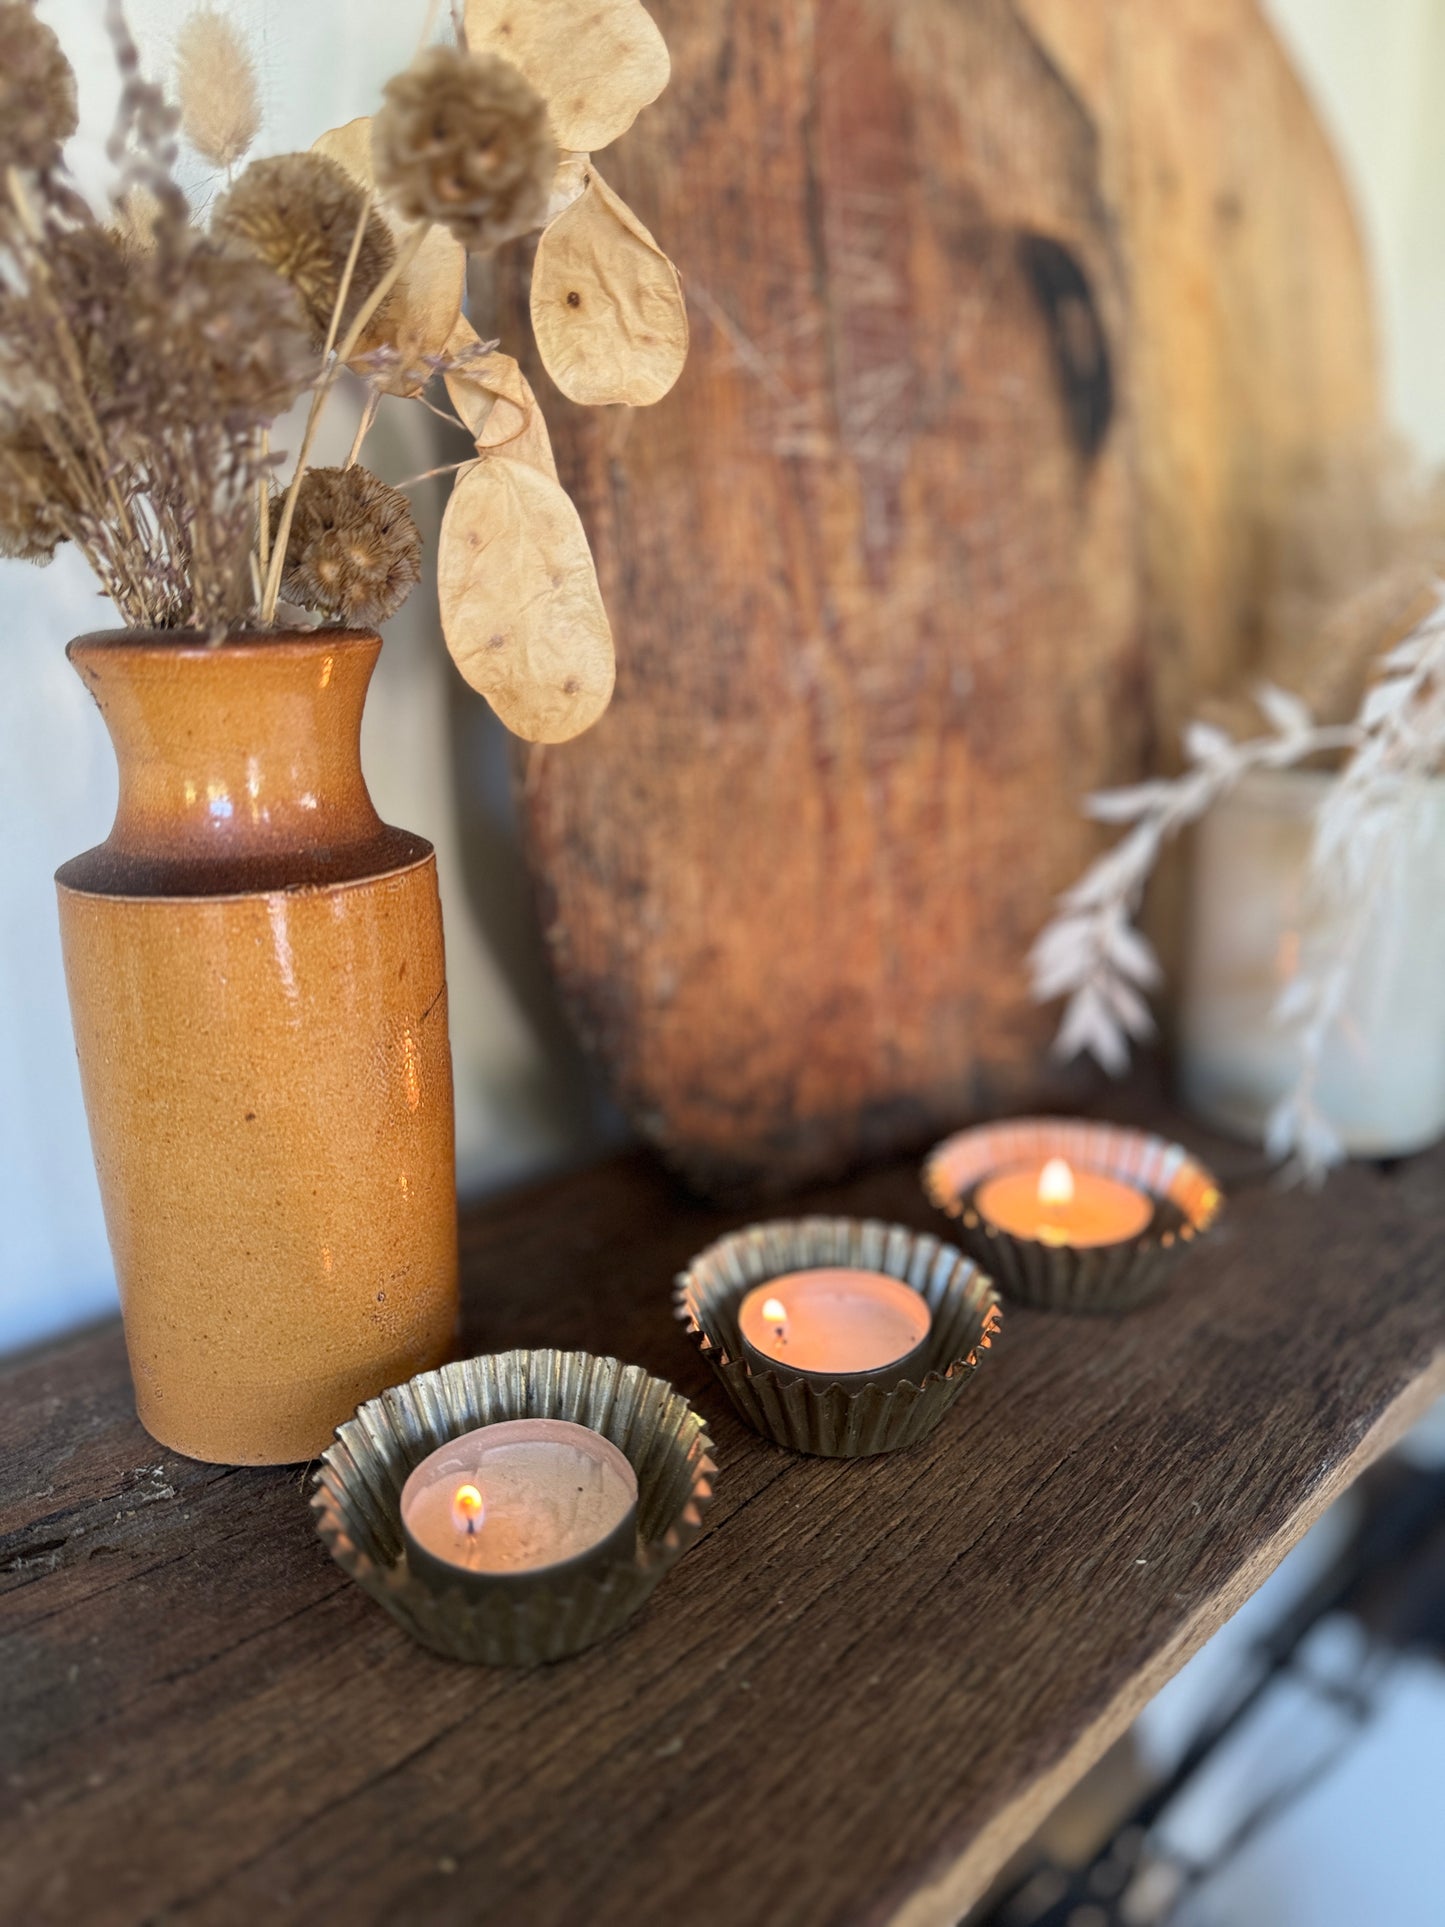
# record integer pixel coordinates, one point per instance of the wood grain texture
(1252, 337)
(871, 568)
(1018, 326)
(853, 1698)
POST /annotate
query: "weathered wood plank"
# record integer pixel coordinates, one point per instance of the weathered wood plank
(1022, 331)
(872, 568)
(849, 1703)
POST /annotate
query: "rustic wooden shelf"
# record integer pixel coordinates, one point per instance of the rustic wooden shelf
(851, 1701)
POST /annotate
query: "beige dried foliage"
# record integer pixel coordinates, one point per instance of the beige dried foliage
(520, 606)
(607, 306)
(37, 92)
(136, 214)
(424, 305)
(495, 401)
(216, 85)
(596, 63)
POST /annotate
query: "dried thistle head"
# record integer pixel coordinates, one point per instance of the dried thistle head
(237, 333)
(354, 551)
(37, 92)
(34, 493)
(216, 86)
(465, 141)
(298, 213)
(187, 336)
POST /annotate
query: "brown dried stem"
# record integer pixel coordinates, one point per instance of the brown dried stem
(363, 427)
(262, 560)
(405, 256)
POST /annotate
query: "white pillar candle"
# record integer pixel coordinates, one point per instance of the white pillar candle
(836, 1323)
(1256, 920)
(524, 1499)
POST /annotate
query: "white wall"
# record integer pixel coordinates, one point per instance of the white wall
(1378, 70)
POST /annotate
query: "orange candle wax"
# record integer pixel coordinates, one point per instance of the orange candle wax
(1060, 1206)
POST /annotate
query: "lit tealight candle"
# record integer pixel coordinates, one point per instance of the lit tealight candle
(522, 1500)
(837, 1325)
(1057, 1205)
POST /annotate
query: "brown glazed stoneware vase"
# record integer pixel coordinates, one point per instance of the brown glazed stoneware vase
(258, 989)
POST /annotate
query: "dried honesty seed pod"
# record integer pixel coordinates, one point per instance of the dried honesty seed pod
(607, 306)
(573, 174)
(520, 606)
(495, 400)
(216, 85)
(424, 305)
(596, 63)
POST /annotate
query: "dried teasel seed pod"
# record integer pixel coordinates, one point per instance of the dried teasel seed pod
(520, 607)
(597, 63)
(298, 213)
(37, 92)
(354, 551)
(424, 304)
(464, 140)
(216, 87)
(607, 306)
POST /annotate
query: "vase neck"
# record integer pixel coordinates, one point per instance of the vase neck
(240, 758)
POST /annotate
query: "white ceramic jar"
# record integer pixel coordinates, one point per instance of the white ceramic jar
(1254, 920)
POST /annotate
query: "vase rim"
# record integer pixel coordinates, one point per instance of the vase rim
(241, 642)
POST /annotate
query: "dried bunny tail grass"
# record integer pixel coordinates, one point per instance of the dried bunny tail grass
(216, 84)
(137, 216)
(299, 214)
(354, 551)
(464, 140)
(37, 92)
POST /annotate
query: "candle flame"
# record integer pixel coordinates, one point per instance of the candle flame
(1056, 1182)
(776, 1313)
(467, 1508)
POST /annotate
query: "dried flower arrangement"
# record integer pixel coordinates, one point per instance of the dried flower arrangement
(1092, 953)
(145, 359)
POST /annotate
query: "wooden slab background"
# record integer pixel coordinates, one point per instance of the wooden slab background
(886, 599)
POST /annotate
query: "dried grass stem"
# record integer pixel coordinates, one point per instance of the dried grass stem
(406, 254)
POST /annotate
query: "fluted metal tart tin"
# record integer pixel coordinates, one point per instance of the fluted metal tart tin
(840, 1421)
(1053, 1277)
(356, 1498)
